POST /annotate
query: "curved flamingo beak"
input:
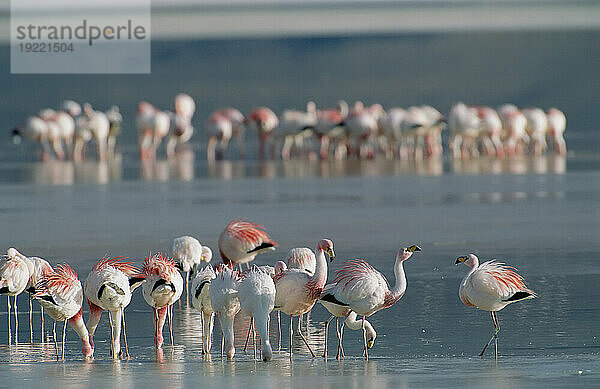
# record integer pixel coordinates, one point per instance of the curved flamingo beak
(413, 248)
(461, 259)
(330, 253)
(370, 343)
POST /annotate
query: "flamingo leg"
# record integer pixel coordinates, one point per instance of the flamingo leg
(279, 330)
(30, 320)
(16, 322)
(203, 334)
(494, 335)
(125, 335)
(63, 340)
(170, 313)
(342, 354)
(305, 341)
(291, 334)
(55, 342)
(327, 326)
(253, 337)
(248, 336)
(112, 339)
(187, 295)
(42, 319)
(9, 331)
(365, 338)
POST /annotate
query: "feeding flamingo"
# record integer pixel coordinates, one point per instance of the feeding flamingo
(225, 303)
(329, 125)
(264, 121)
(108, 287)
(557, 122)
(189, 253)
(201, 301)
(514, 124)
(163, 286)
(537, 125)
(241, 241)
(491, 286)
(301, 258)
(365, 290)
(350, 321)
(37, 268)
(115, 120)
(294, 126)
(256, 293)
(297, 291)
(153, 125)
(61, 294)
(92, 124)
(14, 277)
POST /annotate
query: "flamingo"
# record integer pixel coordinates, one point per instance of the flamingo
(294, 126)
(201, 301)
(491, 286)
(115, 120)
(392, 122)
(14, 277)
(241, 241)
(329, 125)
(362, 125)
(163, 286)
(537, 125)
(365, 291)
(297, 291)
(514, 124)
(557, 122)
(256, 293)
(92, 124)
(338, 311)
(153, 125)
(263, 120)
(490, 131)
(34, 130)
(189, 253)
(301, 258)
(220, 130)
(37, 268)
(180, 131)
(463, 123)
(108, 287)
(225, 303)
(61, 294)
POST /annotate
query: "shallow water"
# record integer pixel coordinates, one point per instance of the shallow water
(541, 217)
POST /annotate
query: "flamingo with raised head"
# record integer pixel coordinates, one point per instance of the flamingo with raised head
(350, 321)
(297, 291)
(226, 304)
(241, 241)
(201, 301)
(365, 291)
(108, 287)
(61, 294)
(256, 293)
(491, 286)
(163, 286)
(14, 277)
(189, 254)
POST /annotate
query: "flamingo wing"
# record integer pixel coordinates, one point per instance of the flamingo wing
(498, 280)
(360, 286)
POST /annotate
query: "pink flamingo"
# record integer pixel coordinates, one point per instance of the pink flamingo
(264, 121)
(297, 291)
(241, 241)
(61, 294)
(557, 122)
(491, 286)
(330, 121)
(365, 291)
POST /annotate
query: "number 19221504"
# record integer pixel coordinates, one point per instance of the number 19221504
(46, 47)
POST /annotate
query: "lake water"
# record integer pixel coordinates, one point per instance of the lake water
(540, 215)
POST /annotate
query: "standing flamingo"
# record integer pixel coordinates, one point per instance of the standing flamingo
(219, 130)
(297, 291)
(241, 241)
(37, 268)
(338, 310)
(163, 286)
(301, 258)
(60, 292)
(491, 286)
(557, 123)
(189, 253)
(14, 277)
(225, 303)
(115, 120)
(108, 287)
(201, 301)
(256, 293)
(365, 290)
(263, 120)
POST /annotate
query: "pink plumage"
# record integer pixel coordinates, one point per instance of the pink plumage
(118, 263)
(159, 265)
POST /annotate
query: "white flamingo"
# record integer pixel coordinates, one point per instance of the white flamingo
(115, 120)
(108, 287)
(264, 121)
(153, 125)
(219, 130)
(61, 294)
(491, 286)
(514, 124)
(225, 303)
(537, 125)
(301, 258)
(14, 277)
(294, 126)
(256, 293)
(92, 124)
(163, 286)
(297, 291)
(365, 290)
(189, 253)
(35, 130)
(201, 301)
(464, 124)
(337, 311)
(557, 123)
(37, 268)
(241, 241)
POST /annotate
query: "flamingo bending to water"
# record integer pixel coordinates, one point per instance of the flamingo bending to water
(226, 304)
(297, 291)
(201, 301)
(163, 286)
(365, 290)
(14, 277)
(491, 286)
(264, 121)
(61, 294)
(189, 253)
(108, 287)
(241, 241)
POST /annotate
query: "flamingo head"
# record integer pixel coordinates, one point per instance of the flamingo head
(371, 336)
(87, 350)
(206, 254)
(327, 246)
(470, 260)
(280, 267)
(406, 252)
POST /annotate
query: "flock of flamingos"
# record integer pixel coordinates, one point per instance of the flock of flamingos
(292, 286)
(341, 132)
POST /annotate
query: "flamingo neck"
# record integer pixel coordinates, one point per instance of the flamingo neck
(398, 290)
(319, 278)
